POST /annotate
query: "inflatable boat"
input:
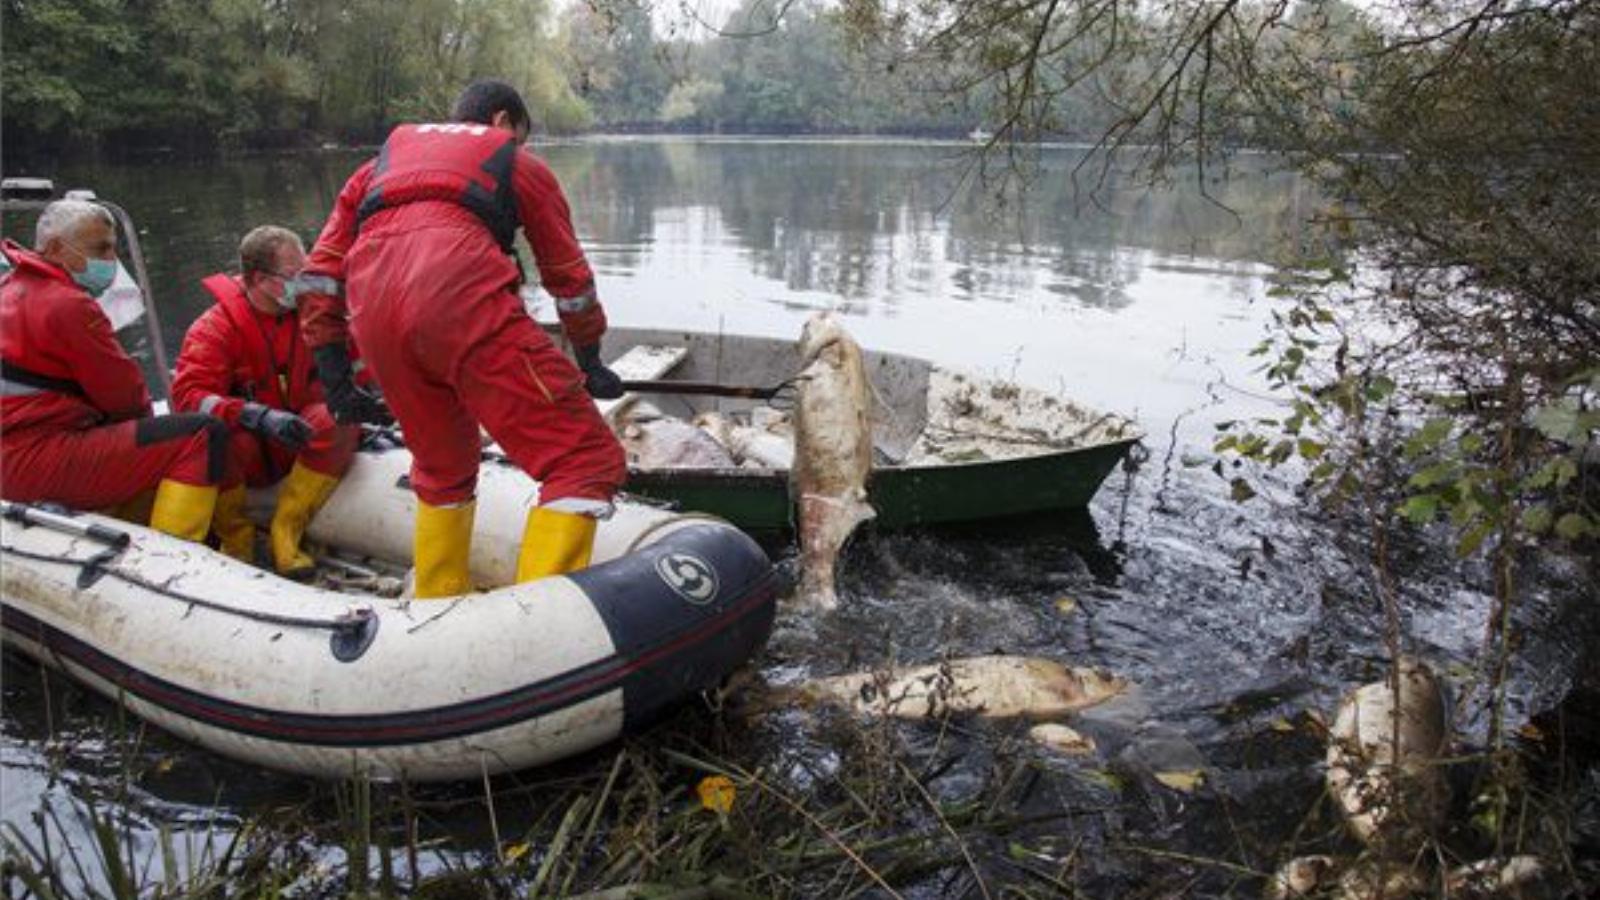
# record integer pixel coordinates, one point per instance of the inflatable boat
(330, 680)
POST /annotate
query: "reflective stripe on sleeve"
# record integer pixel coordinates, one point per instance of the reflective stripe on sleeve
(568, 306)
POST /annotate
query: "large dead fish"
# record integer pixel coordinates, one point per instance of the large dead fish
(833, 452)
(1382, 784)
(998, 687)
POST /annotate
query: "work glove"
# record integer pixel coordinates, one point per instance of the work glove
(349, 402)
(285, 428)
(603, 384)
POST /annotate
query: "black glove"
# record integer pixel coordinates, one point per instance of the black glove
(349, 402)
(277, 425)
(603, 384)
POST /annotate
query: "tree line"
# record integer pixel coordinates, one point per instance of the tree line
(201, 75)
(207, 74)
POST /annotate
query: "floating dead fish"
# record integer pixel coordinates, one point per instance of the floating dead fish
(667, 443)
(996, 687)
(1061, 739)
(1374, 881)
(1379, 783)
(1496, 877)
(833, 453)
(1299, 878)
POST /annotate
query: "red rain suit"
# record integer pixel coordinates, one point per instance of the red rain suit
(235, 353)
(75, 423)
(419, 238)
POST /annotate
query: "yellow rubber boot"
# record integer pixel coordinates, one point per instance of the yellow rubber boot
(300, 495)
(183, 510)
(442, 548)
(554, 543)
(235, 532)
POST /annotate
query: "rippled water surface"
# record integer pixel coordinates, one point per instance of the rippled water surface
(1232, 619)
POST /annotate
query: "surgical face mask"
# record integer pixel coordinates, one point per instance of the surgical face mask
(96, 276)
(291, 293)
(97, 273)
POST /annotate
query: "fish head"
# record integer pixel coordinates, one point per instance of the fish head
(821, 331)
(1097, 685)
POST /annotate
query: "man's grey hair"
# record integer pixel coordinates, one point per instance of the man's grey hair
(63, 218)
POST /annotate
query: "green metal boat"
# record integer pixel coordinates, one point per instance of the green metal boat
(949, 447)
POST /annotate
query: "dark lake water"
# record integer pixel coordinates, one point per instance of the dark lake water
(1142, 301)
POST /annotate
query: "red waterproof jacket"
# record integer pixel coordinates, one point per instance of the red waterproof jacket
(235, 353)
(61, 368)
(438, 175)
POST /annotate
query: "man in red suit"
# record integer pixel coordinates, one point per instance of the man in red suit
(245, 362)
(75, 422)
(417, 261)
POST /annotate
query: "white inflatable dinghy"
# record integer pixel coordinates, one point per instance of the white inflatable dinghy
(333, 682)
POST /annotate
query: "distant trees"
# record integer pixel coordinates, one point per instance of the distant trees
(196, 71)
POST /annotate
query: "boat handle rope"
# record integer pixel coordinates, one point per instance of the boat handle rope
(352, 632)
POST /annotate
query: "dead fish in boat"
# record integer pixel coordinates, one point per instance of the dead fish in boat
(662, 442)
(997, 687)
(833, 453)
(747, 444)
(1381, 784)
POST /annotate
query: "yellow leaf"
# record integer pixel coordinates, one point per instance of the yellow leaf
(164, 765)
(716, 793)
(1531, 731)
(1066, 605)
(514, 852)
(1185, 780)
(1282, 726)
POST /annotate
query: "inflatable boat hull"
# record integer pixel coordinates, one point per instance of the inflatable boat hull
(323, 683)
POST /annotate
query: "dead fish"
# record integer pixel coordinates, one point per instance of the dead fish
(1377, 881)
(1496, 877)
(756, 445)
(1379, 783)
(774, 420)
(1061, 739)
(1299, 878)
(750, 447)
(833, 453)
(996, 687)
(667, 443)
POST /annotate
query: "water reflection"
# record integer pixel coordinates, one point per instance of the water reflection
(752, 235)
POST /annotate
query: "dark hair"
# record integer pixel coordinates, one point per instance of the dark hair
(258, 251)
(485, 97)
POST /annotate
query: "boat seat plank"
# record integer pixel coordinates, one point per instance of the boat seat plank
(643, 362)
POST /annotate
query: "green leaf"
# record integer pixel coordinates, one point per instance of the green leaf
(1536, 519)
(1381, 388)
(1241, 490)
(1310, 449)
(1421, 509)
(1434, 474)
(1558, 423)
(1434, 430)
(1473, 539)
(1573, 526)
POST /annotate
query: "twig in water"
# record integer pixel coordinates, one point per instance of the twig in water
(939, 814)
